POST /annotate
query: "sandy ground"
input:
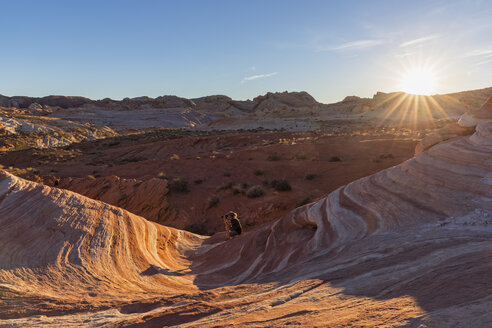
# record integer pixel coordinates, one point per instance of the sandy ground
(134, 172)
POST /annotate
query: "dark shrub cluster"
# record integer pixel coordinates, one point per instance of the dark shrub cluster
(255, 192)
(281, 185)
(310, 176)
(213, 202)
(300, 156)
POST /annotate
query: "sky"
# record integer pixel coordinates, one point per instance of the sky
(242, 49)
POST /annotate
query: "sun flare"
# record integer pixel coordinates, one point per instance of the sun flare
(418, 81)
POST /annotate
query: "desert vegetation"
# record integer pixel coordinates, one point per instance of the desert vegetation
(281, 185)
(255, 191)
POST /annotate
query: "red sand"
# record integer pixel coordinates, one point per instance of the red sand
(134, 174)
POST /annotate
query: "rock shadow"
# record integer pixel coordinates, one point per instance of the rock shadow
(154, 269)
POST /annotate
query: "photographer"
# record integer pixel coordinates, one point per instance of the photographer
(232, 225)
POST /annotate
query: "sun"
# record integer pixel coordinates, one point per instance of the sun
(418, 81)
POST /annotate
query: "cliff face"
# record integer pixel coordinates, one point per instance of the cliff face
(411, 244)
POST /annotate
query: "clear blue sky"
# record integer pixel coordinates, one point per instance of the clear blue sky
(330, 49)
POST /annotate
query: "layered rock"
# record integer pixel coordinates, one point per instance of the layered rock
(61, 245)
(465, 126)
(410, 245)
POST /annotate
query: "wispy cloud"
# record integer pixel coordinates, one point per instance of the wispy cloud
(483, 62)
(259, 76)
(479, 52)
(405, 54)
(357, 45)
(419, 40)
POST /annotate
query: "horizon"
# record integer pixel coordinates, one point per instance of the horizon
(251, 99)
(193, 49)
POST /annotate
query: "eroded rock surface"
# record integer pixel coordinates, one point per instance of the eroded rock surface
(410, 245)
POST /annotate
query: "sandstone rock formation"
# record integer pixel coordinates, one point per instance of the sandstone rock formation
(410, 245)
(285, 100)
(465, 126)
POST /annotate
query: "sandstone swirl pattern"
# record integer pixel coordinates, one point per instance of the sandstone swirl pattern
(410, 245)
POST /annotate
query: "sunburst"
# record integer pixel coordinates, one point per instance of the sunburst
(418, 81)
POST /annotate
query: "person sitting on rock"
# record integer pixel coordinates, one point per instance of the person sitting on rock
(232, 224)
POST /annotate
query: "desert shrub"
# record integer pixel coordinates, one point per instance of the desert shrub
(255, 191)
(383, 156)
(227, 174)
(161, 175)
(227, 186)
(178, 185)
(300, 156)
(91, 177)
(259, 172)
(304, 201)
(281, 185)
(335, 159)
(213, 202)
(237, 190)
(376, 160)
(198, 181)
(310, 176)
(273, 158)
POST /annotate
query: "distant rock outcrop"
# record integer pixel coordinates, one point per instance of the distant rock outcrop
(285, 100)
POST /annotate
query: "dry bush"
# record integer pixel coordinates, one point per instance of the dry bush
(255, 192)
(273, 158)
(281, 185)
(213, 202)
(310, 176)
(300, 156)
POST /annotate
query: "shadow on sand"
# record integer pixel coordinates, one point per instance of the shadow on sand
(153, 270)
